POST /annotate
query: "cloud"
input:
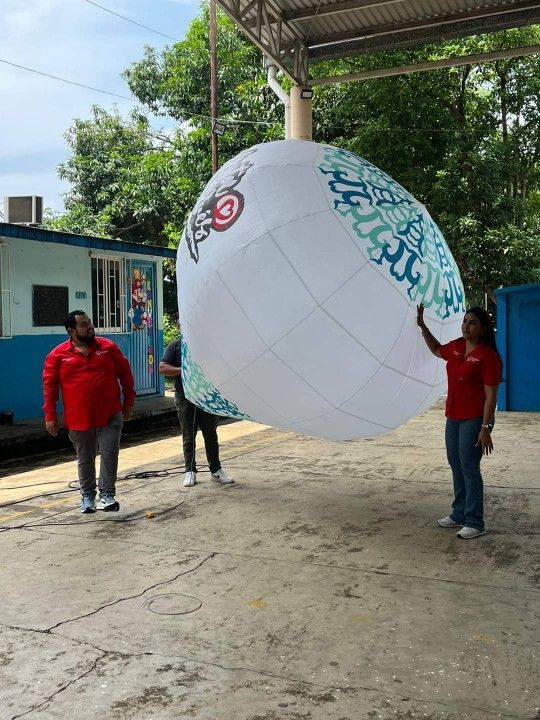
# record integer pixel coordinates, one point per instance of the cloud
(46, 183)
(79, 42)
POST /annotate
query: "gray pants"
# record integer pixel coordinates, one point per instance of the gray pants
(87, 443)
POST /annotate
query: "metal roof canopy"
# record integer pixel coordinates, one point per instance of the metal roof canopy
(292, 33)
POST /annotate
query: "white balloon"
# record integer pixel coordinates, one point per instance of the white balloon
(299, 273)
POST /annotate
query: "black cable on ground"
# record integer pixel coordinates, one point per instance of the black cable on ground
(142, 475)
(34, 497)
(20, 487)
(119, 520)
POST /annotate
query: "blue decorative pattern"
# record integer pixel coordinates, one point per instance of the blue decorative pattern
(201, 392)
(399, 233)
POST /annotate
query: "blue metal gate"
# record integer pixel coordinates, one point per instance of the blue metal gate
(518, 339)
(144, 332)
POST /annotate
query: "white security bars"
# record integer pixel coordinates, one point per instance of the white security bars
(108, 295)
(5, 292)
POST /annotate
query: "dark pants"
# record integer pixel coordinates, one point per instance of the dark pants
(87, 444)
(464, 458)
(192, 418)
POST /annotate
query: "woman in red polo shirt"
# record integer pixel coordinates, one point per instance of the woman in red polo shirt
(474, 367)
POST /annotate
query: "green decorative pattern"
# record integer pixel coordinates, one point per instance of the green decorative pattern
(201, 392)
(398, 232)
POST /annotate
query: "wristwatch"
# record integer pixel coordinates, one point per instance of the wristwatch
(488, 426)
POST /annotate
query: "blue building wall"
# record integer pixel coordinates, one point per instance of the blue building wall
(21, 360)
(518, 340)
(33, 256)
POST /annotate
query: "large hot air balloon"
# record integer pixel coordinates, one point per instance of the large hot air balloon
(299, 273)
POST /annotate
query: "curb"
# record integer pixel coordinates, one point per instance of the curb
(39, 442)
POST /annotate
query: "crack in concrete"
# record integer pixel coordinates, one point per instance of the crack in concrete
(366, 571)
(255, 671)
(48, 631)
(61, 689)
(372, 571)
(132, 597)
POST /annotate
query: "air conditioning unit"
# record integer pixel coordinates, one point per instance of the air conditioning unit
(24, 210)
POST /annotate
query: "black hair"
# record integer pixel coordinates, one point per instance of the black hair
(488, 338)
(70, 321)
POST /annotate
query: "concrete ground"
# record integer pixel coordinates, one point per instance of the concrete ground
(317, 587)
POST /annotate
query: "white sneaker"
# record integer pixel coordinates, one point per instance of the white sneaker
(222, 477)
(466, 533)
(447, 522)
(108, 503)
(190, 478)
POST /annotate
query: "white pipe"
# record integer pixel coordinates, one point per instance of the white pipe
(282, 95)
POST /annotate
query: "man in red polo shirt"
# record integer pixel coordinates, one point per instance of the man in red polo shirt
(90, 371)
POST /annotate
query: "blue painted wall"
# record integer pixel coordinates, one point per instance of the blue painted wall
(44, 257)
(21, 360)
(518, 340)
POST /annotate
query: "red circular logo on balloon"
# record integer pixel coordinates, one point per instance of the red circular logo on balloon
(227, 210)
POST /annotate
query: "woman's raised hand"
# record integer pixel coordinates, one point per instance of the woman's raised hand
(420, 315)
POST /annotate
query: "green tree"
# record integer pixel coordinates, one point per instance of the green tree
(133, 182)
(176, 84)
(465, 141)
(124, 177)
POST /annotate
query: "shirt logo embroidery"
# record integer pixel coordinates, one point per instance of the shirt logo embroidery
(101, 352)
(472, 359)
(68, 359)
(456, 353)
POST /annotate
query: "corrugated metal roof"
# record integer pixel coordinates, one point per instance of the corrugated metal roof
(26, 232)
(294, 32)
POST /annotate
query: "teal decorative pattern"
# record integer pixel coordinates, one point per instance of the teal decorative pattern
(399, 233)
(201, 392)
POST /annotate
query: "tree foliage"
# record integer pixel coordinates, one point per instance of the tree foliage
(465, 141)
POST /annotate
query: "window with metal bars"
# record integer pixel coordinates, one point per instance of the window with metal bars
(5, 292)
(108, 295)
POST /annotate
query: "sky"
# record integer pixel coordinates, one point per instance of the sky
(75, 40)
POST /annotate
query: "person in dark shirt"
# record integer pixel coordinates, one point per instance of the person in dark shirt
(474, 367)
(192, 418)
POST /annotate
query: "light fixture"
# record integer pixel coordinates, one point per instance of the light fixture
(218, 128)
(306, 93)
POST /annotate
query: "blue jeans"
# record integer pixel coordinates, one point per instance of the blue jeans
(464, 458)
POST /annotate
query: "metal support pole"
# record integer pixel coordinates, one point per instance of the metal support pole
(432, 65)
(213, 82)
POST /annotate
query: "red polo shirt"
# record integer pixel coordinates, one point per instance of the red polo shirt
(467, 376)
(90, 384)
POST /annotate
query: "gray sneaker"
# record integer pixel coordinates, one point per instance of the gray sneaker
(108, 503)
(88, 504)
(447, 522)
(466, 533)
